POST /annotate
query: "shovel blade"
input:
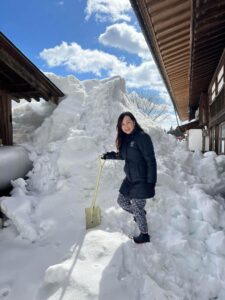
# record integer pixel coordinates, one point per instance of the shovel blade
(93, 217)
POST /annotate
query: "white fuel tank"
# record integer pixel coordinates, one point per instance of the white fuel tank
(14, 163)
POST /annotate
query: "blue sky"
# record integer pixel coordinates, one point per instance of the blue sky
(86, 38)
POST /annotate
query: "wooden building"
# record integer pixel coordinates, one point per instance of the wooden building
(19, 79)
(187, 41)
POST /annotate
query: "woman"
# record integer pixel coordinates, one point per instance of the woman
(136, 148)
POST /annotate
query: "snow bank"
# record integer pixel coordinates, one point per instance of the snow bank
(185, 259)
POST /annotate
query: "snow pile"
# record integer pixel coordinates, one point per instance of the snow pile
(185, 259)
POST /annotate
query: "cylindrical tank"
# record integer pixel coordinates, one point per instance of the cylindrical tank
(14, 163)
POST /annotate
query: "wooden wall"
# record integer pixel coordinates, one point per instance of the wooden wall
(6, 134)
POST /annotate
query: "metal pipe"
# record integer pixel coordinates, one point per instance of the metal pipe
(14, 163)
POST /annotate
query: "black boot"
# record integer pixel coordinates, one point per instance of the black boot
(135, 220)
(142, 238)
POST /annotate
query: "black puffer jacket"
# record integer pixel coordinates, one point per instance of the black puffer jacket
(140, 165)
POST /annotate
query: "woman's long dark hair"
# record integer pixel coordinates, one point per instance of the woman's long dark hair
(120, 133)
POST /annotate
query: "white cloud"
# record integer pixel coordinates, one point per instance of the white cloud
(80, 60)
(165, 96)
(125, 37)
(108, 10)
(144, 75)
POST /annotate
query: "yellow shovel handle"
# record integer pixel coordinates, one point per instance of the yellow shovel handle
(102, 162)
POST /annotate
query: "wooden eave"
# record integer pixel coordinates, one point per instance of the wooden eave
(208, 43)
(21, 78)
(166, 27)
(186, 39)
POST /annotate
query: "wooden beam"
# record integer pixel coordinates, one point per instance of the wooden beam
(211, 38)
(200, 70)
(178, 64)
(156, 6)
(181, 89)
(172, 12)
(173, 43)
(36, 99)
(5, 74)
(176, 58)
(28, 99)
(171, 38)
(177, 49)
(6, 134)
(179, 70)
(207, 56)
(173, 30)
(182, 66)
(205, 35)
(22, 72)
(177, 86)
(174, 61)
(17, 88)
(208, 27)
(203, 6)
(208, 47)
(179, 80)
(172, 22)
(175, 53)
(210, 18)
(178, 76)
(14, 98)
(28, 95)
(201, 76)
(204, 59)
(19, 85)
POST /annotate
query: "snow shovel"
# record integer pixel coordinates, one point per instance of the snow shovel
(93, 213)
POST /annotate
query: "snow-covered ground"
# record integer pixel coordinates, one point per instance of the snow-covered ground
(46, 252)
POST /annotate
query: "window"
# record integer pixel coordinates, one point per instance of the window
(222, 138)
(217, 85)
(220, 79)
(213, 91)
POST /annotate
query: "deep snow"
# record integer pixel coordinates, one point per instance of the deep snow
(46, 252)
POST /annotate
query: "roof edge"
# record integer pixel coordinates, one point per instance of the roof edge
(152, 47)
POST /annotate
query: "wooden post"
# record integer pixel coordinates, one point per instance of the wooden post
(6, 134)
(203, 109)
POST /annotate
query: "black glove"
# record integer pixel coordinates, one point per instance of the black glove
(109, 155)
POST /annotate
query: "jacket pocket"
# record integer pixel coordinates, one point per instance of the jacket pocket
(137, 172)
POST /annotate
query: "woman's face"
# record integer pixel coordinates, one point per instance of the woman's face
(127, 125)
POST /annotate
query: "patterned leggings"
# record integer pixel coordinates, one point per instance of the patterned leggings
(135, 207)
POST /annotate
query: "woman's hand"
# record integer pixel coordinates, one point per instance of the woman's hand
(109, 155)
